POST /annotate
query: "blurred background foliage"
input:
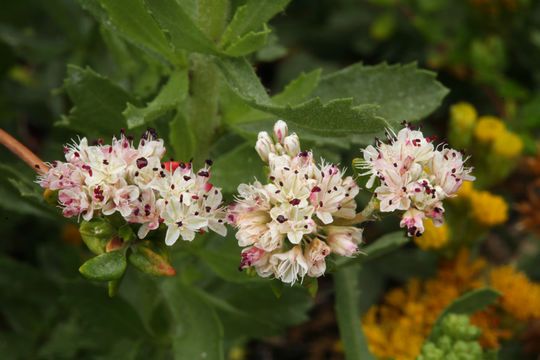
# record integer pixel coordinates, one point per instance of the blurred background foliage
(487, 52)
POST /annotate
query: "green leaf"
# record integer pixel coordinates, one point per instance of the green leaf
(248, 43)
(105, 267)
(197, 332)
(97, 103)
(251, 17)
(348, 316)
(182, 138)
(403, 92)
(169, 97)
(299, 88)
(338, 117)
(251, 308)
(469, 303)
(96, 233)
(183, 32)
(241, 165)
(146, 260)
(132, 19)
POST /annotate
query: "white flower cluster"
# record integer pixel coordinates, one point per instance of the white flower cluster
(134, 182)
(414, 176)
(285, 225)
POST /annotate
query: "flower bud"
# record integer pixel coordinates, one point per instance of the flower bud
(264, 145)
(280, 131)
(315, 253)
(292, 144)
(343, 240)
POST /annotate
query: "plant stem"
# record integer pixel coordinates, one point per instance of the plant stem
(347, 301)
(23, 152)
(205, 79)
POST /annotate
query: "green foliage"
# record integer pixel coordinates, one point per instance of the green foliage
(197, 332)
(96, 233)
(148, 261)
(105, 267)
(98, 103)
(138, 25)
(469, 303)
(183, 32)
(169, 97)
(249, 19)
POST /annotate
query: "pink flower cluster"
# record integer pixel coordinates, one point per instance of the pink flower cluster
(285, 225)
(414, 176)
(133, 182)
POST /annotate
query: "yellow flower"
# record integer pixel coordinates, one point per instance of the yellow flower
(489, 128)
(488, 209)
(520, 296)
(508, 145)
(433, 237)
(463, 115)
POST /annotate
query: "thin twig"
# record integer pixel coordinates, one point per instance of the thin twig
(23, 152)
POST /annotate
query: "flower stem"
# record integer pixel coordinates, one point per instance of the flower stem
(354, 342)
(23, 152)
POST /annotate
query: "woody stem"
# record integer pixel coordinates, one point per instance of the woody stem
(23, 152)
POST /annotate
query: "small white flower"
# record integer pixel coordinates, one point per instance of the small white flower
(290, 265)
(344, 240)
(181, 221)
(280, 131)
(316, 252)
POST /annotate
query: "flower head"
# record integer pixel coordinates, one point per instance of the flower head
(132, 181)
(285, 224)
(414, 176)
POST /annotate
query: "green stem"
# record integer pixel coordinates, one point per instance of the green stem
(354, 342)
(205, 80)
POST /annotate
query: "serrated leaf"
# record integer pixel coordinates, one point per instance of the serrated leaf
(402, 92)
(146, 260)
(348, 316)
(337, 117)
(248, 43)
(469, 303)
(97, 103)
(183, 32)
(251, 17)
(197, 332)
(241, 165)
(96, 233)
(299, 88)
(132, 19)
(169, 97)
(105, 267)
(182, 138)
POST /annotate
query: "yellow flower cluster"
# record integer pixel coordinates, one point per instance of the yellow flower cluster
(488, 209)
(433, 237)
(463, 115)
(521, 297)
(490, 129)
(398, 327)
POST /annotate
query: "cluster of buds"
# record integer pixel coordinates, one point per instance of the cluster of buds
(414, 176)
(133, 182)
(287, 226)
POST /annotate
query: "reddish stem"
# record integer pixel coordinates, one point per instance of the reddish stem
(23, 152)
